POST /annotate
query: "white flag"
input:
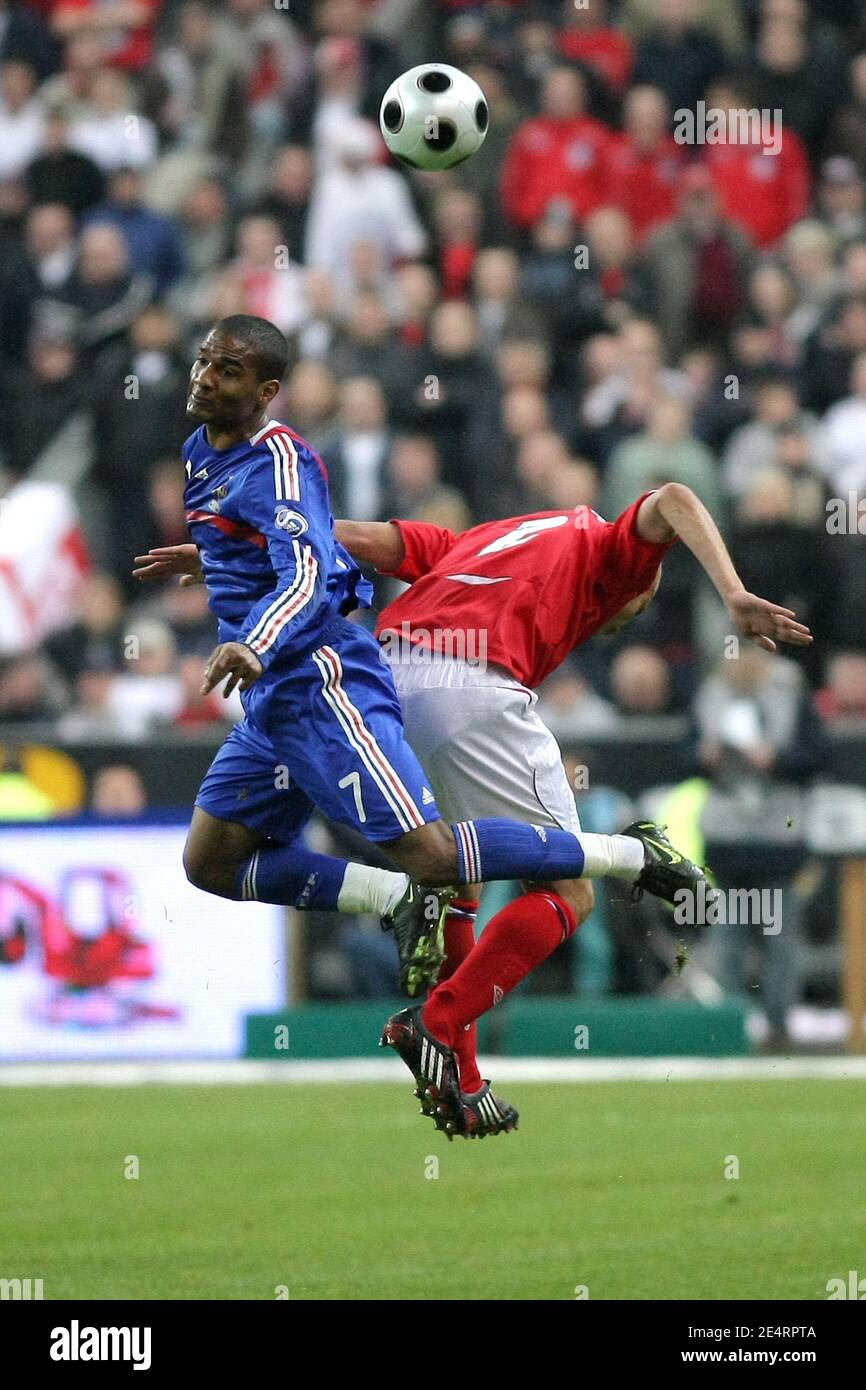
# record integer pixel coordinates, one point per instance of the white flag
(43, 562)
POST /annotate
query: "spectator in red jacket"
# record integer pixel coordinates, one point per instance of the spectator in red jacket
(559, 154)
(762, 177)
(125, 27)
(587, 38)
(457, 215)
(645, 162)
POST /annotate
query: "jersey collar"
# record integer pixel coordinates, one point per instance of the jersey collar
(260, 433)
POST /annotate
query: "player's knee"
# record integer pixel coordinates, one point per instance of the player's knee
(428, 854)
(206, 872)
(194, 866)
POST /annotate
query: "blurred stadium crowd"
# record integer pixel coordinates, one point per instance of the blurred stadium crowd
(584, 310)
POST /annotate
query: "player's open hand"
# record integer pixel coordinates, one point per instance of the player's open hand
(166, 560)
(235, 660)
(766, 623)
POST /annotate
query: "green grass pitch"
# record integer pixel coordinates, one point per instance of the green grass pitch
(325, 1189)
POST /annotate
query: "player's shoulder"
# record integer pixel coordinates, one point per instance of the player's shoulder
(275, 437)
(281, 454)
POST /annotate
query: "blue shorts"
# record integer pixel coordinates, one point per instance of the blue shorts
(326, 734)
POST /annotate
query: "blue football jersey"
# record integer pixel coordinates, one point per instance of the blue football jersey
(260, 515)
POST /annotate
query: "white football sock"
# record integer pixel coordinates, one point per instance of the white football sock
(365, 889)
(612, 856)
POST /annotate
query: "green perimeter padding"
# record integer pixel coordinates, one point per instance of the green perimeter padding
(551, 1027)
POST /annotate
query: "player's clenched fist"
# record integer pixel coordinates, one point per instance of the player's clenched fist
(235, 660)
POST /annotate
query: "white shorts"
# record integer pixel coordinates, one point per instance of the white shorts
(482, 744)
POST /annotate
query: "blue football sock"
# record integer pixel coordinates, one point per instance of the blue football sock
(493, 848)
(293, 875)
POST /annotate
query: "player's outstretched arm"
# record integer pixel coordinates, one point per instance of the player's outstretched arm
(166, 560)
(673, 511)
(376, 543)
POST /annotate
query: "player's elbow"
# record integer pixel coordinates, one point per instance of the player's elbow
(355, 537)
(676, 496)
(680, 494)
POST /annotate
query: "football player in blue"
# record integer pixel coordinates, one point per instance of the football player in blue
(323, 726)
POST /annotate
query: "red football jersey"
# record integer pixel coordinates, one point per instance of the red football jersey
(519, 593)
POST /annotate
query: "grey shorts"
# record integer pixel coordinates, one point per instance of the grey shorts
(486, 751)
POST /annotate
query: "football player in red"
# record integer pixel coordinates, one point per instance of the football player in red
(489, 614)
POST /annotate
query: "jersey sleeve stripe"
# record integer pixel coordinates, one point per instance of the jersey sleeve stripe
(286, 474)
(283, 597)
(289, 604)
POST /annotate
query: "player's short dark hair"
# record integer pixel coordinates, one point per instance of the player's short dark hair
(267, 342)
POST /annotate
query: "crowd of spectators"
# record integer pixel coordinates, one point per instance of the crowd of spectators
(587, 308)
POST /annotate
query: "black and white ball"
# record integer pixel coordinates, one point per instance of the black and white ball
(434, 117)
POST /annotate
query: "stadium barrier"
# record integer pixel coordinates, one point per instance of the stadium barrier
(171, 768)
(171, 765)
(551, 1027)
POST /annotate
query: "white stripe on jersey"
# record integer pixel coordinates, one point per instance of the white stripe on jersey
(288, 604)
(286, 478)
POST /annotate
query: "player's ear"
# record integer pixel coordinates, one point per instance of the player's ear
(267, 391)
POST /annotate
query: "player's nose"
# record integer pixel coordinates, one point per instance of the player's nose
(203, 378)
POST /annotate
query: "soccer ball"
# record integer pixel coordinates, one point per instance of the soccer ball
(434, 117)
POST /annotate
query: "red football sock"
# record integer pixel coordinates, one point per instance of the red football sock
(459, 941)
(517, 939)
